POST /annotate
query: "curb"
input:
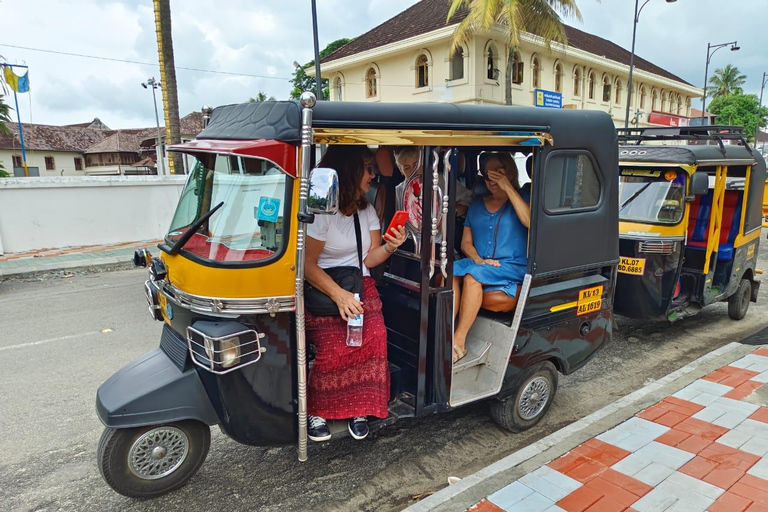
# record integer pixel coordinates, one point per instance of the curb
(442, 498)
(51, 266)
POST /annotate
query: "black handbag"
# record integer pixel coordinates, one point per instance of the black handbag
(348, 278)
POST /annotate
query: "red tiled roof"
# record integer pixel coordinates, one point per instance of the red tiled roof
(121, 141)
(429, 15)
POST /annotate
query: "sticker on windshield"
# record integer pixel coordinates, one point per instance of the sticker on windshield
(268, 209)
(633, 266)
(590, 300)
(640, 172)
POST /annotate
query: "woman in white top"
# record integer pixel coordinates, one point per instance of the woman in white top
(348, 383)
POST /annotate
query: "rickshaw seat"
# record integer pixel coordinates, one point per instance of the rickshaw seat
(377, 196)
(499, 302)
(698, 224)
(698, 221)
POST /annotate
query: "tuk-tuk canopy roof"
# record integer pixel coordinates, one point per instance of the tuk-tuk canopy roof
(691, 155)
(281, 120)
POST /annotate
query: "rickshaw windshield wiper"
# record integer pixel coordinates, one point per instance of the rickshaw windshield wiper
(192, 229)
(633, 196)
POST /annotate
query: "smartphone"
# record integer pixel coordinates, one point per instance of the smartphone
(398, 220)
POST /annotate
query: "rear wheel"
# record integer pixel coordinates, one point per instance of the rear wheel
(532, 400)
(145, 462)
(738, 303)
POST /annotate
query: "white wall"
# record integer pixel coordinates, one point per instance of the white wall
(64, 161)
(43, 213)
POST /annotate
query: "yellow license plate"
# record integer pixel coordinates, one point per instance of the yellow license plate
(162, 301)
(590, 300)
(633, 266)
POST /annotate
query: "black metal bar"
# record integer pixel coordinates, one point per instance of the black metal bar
(426, 262)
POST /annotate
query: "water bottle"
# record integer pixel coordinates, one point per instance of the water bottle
(355, 329)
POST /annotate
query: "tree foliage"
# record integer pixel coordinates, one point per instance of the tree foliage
(726, 81)
(262, 96)
(539, 17)
(5, 116)
(739, 110)
(302, 82)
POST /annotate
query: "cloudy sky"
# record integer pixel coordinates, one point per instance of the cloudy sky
(262, 39)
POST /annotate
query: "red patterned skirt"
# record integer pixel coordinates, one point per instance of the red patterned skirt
(345, 382)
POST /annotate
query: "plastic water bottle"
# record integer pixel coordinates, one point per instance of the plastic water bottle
(355, 329)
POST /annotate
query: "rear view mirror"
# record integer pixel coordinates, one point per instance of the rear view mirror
(699, 184)
(323, 195)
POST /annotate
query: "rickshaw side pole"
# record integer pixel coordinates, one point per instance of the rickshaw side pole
(307, 102)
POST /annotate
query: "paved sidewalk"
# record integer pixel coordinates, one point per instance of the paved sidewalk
(704, 448)
(70, 257)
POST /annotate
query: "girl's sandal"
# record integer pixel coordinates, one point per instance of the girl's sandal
(458, 353)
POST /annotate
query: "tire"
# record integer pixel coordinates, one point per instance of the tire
(538, 378)
(738, 303)
(185, 445)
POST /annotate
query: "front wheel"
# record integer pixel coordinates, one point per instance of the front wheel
(532, 400)
(145, 462)
(738, 303)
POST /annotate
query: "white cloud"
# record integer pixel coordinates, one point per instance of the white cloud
(264, 38)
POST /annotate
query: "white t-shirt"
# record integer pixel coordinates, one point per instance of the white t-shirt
(338, 233)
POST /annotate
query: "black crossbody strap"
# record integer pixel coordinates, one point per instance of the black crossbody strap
(496, 232)
(359, 238)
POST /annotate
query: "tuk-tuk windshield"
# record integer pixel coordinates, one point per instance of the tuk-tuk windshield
(651, 196)
(248, 226)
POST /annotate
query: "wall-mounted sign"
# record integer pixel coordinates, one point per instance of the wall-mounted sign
(664, 119)
(547, 99)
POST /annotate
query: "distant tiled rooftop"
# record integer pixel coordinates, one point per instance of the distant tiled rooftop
(430, 15)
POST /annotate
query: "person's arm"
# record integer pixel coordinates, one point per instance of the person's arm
(378, 253)
(317, 277)
(522, 209)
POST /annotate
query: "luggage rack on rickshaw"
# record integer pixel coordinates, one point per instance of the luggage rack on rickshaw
(690, 134)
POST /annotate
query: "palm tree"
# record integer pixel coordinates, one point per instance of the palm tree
(168, 81)
(5, 116)
(726, 81)
(262, 96)
(539, 17)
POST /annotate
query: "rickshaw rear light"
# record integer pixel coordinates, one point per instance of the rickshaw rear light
(657, 246)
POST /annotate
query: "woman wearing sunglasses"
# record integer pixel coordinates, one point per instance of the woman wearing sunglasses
(495, 242)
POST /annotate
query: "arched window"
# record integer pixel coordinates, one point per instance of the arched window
(606, 89)
(679, 109)
(591, 86)
(457, 64)
(371, 85)
(617, 85)
(517, 69)
(577, 82)
(492, 72)
(642, 96)
(422, 71)
(673, 103)
(337, 85)
(664, 98)
(536, 73)
(558, 77)
(654, 99)
(688, 106)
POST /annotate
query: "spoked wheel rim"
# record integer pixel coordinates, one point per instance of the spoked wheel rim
(534, 398)
(158, 452)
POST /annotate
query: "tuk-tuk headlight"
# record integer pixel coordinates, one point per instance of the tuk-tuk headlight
(222, 347)
(229, 350)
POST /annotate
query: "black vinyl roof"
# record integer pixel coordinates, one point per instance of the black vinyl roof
(688, 155)
(281, 120)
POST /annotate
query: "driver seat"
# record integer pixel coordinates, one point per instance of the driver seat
(499, 302)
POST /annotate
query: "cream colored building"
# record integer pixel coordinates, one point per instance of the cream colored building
(407, 59)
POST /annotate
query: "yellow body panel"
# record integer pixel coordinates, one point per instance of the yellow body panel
(656, 229)
(745, 239)
(277, 279)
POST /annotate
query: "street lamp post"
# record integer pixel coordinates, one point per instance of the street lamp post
(318, 78)
(632, 56)
(713, 48)
(154, 84)
(760, 108)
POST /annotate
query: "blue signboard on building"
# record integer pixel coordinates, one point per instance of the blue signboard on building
(547, 99)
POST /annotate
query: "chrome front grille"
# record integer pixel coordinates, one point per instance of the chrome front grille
(174, 346)
(657, 246)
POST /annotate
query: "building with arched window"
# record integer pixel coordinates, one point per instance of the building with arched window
(409, 58)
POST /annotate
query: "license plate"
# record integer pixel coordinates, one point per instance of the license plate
(633, 266)
(162, 301)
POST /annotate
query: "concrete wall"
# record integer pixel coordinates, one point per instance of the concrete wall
(46, 213)
(63, 161)
(395, 66)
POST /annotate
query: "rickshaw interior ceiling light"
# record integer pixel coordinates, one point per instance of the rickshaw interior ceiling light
(221, 347)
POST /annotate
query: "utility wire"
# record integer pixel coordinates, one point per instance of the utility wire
(112, 59)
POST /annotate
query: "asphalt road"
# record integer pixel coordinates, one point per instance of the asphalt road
(63, 336)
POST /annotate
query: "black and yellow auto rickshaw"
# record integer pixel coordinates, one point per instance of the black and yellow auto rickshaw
(228, 282)
(690, 219)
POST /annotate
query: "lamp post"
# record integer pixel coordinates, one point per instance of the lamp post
(760, 108)
(632, 55)
(711, 49)
(318, 78)
(154, 84)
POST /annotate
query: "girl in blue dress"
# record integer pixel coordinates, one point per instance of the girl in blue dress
(495, 241)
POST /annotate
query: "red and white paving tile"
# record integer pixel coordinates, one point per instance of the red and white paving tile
(704, 448)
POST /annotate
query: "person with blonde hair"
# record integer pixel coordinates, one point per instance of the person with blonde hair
(495, 241)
